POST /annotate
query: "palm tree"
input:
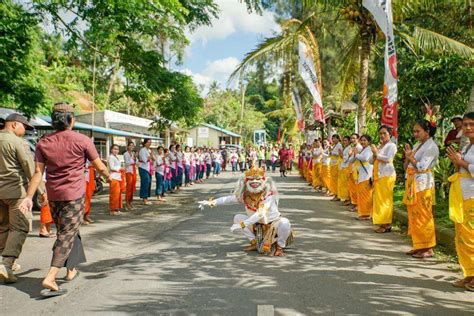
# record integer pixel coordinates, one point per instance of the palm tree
(364, 31)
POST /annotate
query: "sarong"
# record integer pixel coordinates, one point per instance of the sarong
(67, 249)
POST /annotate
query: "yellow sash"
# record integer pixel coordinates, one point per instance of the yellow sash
(335, 158)
(376, 170)
(456, 212)
(409, 197)
(355, 169)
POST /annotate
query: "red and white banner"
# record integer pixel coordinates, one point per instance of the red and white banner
(295, 96)
(310, 78)
(382, 12)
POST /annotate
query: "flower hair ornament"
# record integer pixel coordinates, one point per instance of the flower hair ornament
(431, 113)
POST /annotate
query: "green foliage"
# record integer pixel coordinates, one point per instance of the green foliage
(115, 51)
(442, 171)
(222, 108)
(21, 82)
(443, 81)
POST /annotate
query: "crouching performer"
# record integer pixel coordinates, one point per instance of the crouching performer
(268, 232)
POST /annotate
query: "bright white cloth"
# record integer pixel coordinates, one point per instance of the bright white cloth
(317, 154)
(173, 159)
(385, 157)
(187, 158)
(159, 165)
(114, 167)
(326, 160)
(426, 156)
(129, 161)
(335, 149)
(267, 214)
(365, 171)
(283, 230)
(345, 157)
(180, 159)
(207, 158)
(86, 172)
(357, 148)
(217, 157)
(467, 184)
(143, 157)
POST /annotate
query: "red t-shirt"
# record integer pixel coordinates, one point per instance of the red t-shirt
(64, 154)
(451, 136)
(283, 153)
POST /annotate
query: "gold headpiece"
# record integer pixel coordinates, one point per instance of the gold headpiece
(255, 172)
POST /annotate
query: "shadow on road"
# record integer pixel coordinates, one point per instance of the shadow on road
(337, 266)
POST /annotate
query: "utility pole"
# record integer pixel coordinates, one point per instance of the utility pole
(242, 103)
(94, 69)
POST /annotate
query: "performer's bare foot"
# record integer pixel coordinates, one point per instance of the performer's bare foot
(462, 283)
(87, 218)
(279, 252)
(251, 247)
(424, 254)
(50, 284)
(411, 252)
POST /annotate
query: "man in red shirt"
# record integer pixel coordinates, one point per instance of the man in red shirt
(283, 155)
(454, 134)
(64, 154)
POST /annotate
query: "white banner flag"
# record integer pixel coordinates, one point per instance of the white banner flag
(382, 12)
(295, 96)
(310, 78)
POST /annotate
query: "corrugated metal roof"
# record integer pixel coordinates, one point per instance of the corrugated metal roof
(35, 121)
(220, 129)
(99, 129)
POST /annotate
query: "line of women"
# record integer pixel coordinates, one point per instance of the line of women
(171, 167)
(362, 176)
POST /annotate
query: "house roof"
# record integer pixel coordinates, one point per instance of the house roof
(99, 129)
(220, 129)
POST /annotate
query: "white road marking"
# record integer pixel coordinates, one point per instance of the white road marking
(265, 310)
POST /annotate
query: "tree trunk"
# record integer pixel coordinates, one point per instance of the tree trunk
(112, 81)
(363, 79)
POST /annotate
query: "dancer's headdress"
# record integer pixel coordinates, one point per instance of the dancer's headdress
(255, 172)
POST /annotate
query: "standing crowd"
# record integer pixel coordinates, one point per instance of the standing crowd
(350, 169)
(361, 175)
(176, 167)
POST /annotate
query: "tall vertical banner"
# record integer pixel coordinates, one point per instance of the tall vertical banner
(295, 96)
(310, 78)
(382, 12)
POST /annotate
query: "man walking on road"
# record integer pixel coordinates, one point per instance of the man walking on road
(64, 154)
(16, 169)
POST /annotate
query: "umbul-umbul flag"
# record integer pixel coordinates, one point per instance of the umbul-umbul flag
(310, 77)
(382, 12)
(295, 96)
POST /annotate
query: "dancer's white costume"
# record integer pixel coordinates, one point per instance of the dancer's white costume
(260, 198)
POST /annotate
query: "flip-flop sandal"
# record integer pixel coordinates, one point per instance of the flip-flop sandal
(460, 283)
(469, 286)
(422, 255)
(66, 279)
(51, 293)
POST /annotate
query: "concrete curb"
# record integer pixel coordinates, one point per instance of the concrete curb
(444, 236)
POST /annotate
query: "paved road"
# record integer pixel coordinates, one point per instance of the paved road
(175, 260)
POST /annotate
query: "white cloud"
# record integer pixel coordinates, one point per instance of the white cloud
(217, 70)
(234, 17)
(221, 69)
